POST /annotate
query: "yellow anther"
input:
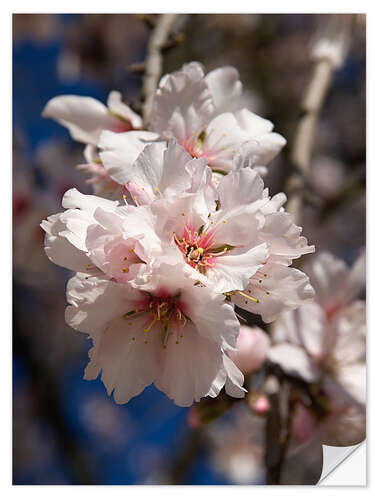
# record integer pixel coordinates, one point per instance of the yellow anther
(125, 270)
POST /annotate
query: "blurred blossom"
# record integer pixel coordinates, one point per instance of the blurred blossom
(237, 450)
(106, 421)
(327, 176)
(252, 346)
(325, 341)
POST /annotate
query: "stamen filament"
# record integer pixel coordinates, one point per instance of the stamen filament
(147, 329)
(248, 296)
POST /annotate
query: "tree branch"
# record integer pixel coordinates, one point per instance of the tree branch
(328, 55)
(277, 427)
(154, 60)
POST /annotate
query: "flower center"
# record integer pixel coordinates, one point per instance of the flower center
(161, 310)
(198, 248)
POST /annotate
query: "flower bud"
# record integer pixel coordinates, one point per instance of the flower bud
(252, 346)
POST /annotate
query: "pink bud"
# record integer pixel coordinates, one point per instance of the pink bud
(259, 403)
(252, 344)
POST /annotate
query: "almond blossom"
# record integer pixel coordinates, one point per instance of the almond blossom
(219, 245)
(97, 236)
(163, 330)
(226, 235)
(202, 113)
(277, 287)
(237, 447)
(114, 248)
(162, 171)
(325, 341)
(86, 117)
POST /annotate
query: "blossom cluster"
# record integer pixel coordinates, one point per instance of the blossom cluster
(179, 233)
(323, 343)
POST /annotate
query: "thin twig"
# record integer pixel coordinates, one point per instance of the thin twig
(154, 60)
(278, 424)
(316, 92)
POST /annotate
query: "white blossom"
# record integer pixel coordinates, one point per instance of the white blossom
(86, 117)
(325, 341)
(162, 330)
(201, 113)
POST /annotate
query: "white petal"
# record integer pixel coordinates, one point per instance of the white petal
(294, 361)
(284, 237)
(233, 270)
(225, 87)
(235, 379)
(213, 318)
(121, 150)
(278, 288)
(311, 329)
(240, 188)
(160, 171)
(218, 383)
(95, 302)
(349, 327)
(74, 199)
(173, 213)
(227, 132)
(116, 105)
(84, 117)
(182, 104)
(336, 285)
(190, 368)
(347, 386)
(238, 227)
(58, 249)
(328, 276)
(130, 359)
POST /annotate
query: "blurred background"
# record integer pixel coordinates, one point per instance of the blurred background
(67, 430)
